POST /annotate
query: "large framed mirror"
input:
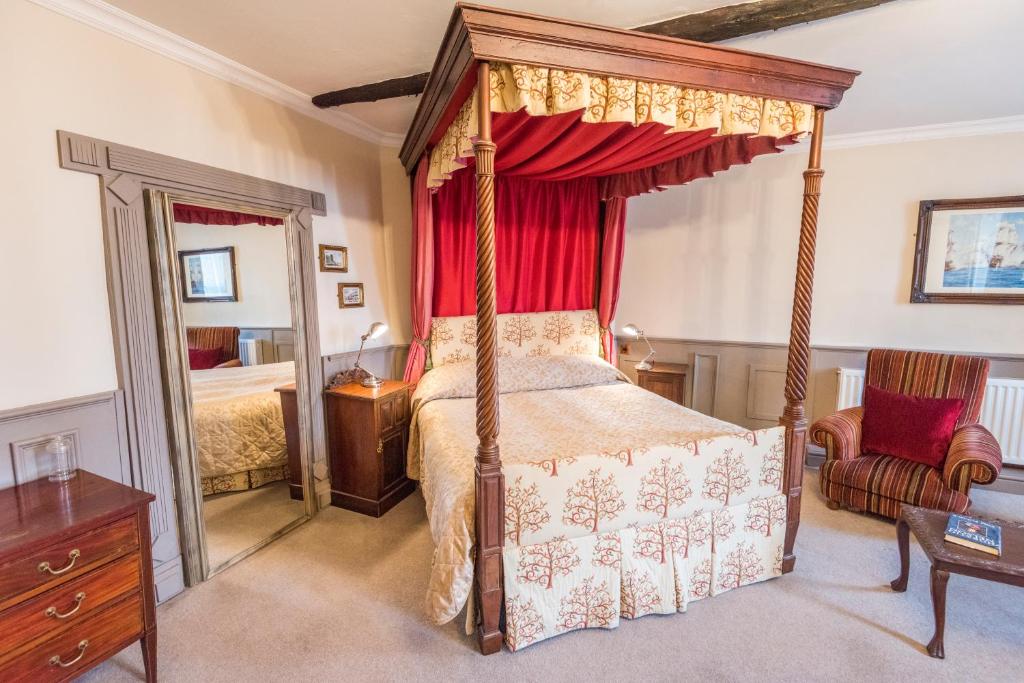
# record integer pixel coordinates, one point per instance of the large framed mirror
(227, 279)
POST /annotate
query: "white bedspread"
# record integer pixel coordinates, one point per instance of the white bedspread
(552, 409)
(238, 421)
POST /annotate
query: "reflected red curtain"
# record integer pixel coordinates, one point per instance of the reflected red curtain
(204, 215)
(612, 245)
(546, 242)
(422, 272)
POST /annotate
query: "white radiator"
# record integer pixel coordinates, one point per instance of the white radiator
(250, 351)
(1002, 410)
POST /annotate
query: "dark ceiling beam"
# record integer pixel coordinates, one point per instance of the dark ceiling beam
(394, 87)
(722, 23)
(734, 21)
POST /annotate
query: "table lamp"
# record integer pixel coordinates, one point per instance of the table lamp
(632, 329)
(370, 380)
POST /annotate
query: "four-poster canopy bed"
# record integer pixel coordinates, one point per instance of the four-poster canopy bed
(531, 134)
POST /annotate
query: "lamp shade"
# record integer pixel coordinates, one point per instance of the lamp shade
(632, 329)
(376, 330)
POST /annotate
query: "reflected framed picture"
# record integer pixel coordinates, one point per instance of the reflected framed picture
(333, 259)
(208, 275)
(350, 295)
(969, 251)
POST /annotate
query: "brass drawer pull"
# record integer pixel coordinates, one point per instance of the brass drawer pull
(55, 660)
(52, 611)
(45, 567)
(380, 446)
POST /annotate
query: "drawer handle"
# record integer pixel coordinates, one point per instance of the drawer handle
(380, 446)
(52, 611)
(55, 660)
(45, 567)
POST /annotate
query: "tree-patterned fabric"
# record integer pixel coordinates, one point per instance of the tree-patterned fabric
(622, 477)
(520, 335)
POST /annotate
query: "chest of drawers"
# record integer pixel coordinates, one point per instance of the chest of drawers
(76, 577)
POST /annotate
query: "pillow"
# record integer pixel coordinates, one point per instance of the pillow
(203, 359)
(910, 427)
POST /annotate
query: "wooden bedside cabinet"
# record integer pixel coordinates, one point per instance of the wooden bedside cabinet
(76, 577)
(665, 379)
(367, 434)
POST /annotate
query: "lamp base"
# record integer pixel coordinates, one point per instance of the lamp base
(643, 365)
(372, 382)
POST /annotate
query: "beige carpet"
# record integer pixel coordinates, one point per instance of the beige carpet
(238, 520)
(340, 599)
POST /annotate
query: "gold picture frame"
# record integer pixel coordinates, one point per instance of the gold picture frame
(351, 295)
(333, 259)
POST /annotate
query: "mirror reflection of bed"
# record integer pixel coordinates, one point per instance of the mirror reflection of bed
(237, 311)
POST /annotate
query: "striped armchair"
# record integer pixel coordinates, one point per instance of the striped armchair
(880, 483)
(223, 338)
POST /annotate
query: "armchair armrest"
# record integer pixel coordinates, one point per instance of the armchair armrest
(974, 456)
(233, 363)
(839, 433)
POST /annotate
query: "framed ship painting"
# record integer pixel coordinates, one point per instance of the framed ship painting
(970, 251)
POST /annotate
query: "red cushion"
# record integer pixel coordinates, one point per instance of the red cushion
(911, 427)
(203, 359)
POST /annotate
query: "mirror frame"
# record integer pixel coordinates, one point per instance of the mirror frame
(124, 174)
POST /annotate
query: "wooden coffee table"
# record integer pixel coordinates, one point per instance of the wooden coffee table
(929, 527)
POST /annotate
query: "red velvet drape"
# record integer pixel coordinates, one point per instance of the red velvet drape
(204, 215)
(612, 244)
(546, 242)
(422, 272)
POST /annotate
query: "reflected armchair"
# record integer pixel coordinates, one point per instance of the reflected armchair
(881, 483)
(223, 338)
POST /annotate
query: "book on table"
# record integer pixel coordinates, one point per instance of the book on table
(975, 533)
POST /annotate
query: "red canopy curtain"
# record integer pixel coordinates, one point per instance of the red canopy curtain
(204, 215)
(546, 241)
(422, 272)
(612, 243)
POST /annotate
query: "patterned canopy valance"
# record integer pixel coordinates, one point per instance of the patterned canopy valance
(542, 91)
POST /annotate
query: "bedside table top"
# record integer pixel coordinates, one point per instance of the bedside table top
(668, 368)
(358, 391)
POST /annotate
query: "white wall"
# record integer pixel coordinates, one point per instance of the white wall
(60, 74)
(261, 271)
(715, 260)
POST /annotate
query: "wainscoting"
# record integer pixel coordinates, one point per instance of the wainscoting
(98, 429)
(743, 382)
(276, 344)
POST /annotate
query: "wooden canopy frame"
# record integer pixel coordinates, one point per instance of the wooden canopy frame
(478, 35)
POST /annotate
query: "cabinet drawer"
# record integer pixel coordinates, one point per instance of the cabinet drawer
(64, 561)
(80, 647)
(393, 412)
(60, 608)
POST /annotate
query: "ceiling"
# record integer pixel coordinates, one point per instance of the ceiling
(921, 58)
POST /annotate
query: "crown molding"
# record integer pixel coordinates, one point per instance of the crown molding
(936, 131)
(117, 22)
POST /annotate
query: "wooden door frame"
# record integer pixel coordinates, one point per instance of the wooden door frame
(124, 174)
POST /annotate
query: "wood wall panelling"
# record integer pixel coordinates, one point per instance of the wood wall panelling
(764, 392)
(96, 423)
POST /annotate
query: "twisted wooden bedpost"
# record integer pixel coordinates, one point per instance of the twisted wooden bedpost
(490, 485)
(794, 418)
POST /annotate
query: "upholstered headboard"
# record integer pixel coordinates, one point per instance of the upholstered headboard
(552, 333)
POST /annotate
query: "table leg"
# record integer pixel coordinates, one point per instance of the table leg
(148, 643)
(939, 579)
(903, 541)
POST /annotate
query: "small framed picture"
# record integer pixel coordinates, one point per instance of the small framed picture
(970, 251)
(350, 295)
(333, 259)
(208, 275)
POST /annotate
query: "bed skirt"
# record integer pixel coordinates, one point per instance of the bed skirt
(243, 481)
(567, 584)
